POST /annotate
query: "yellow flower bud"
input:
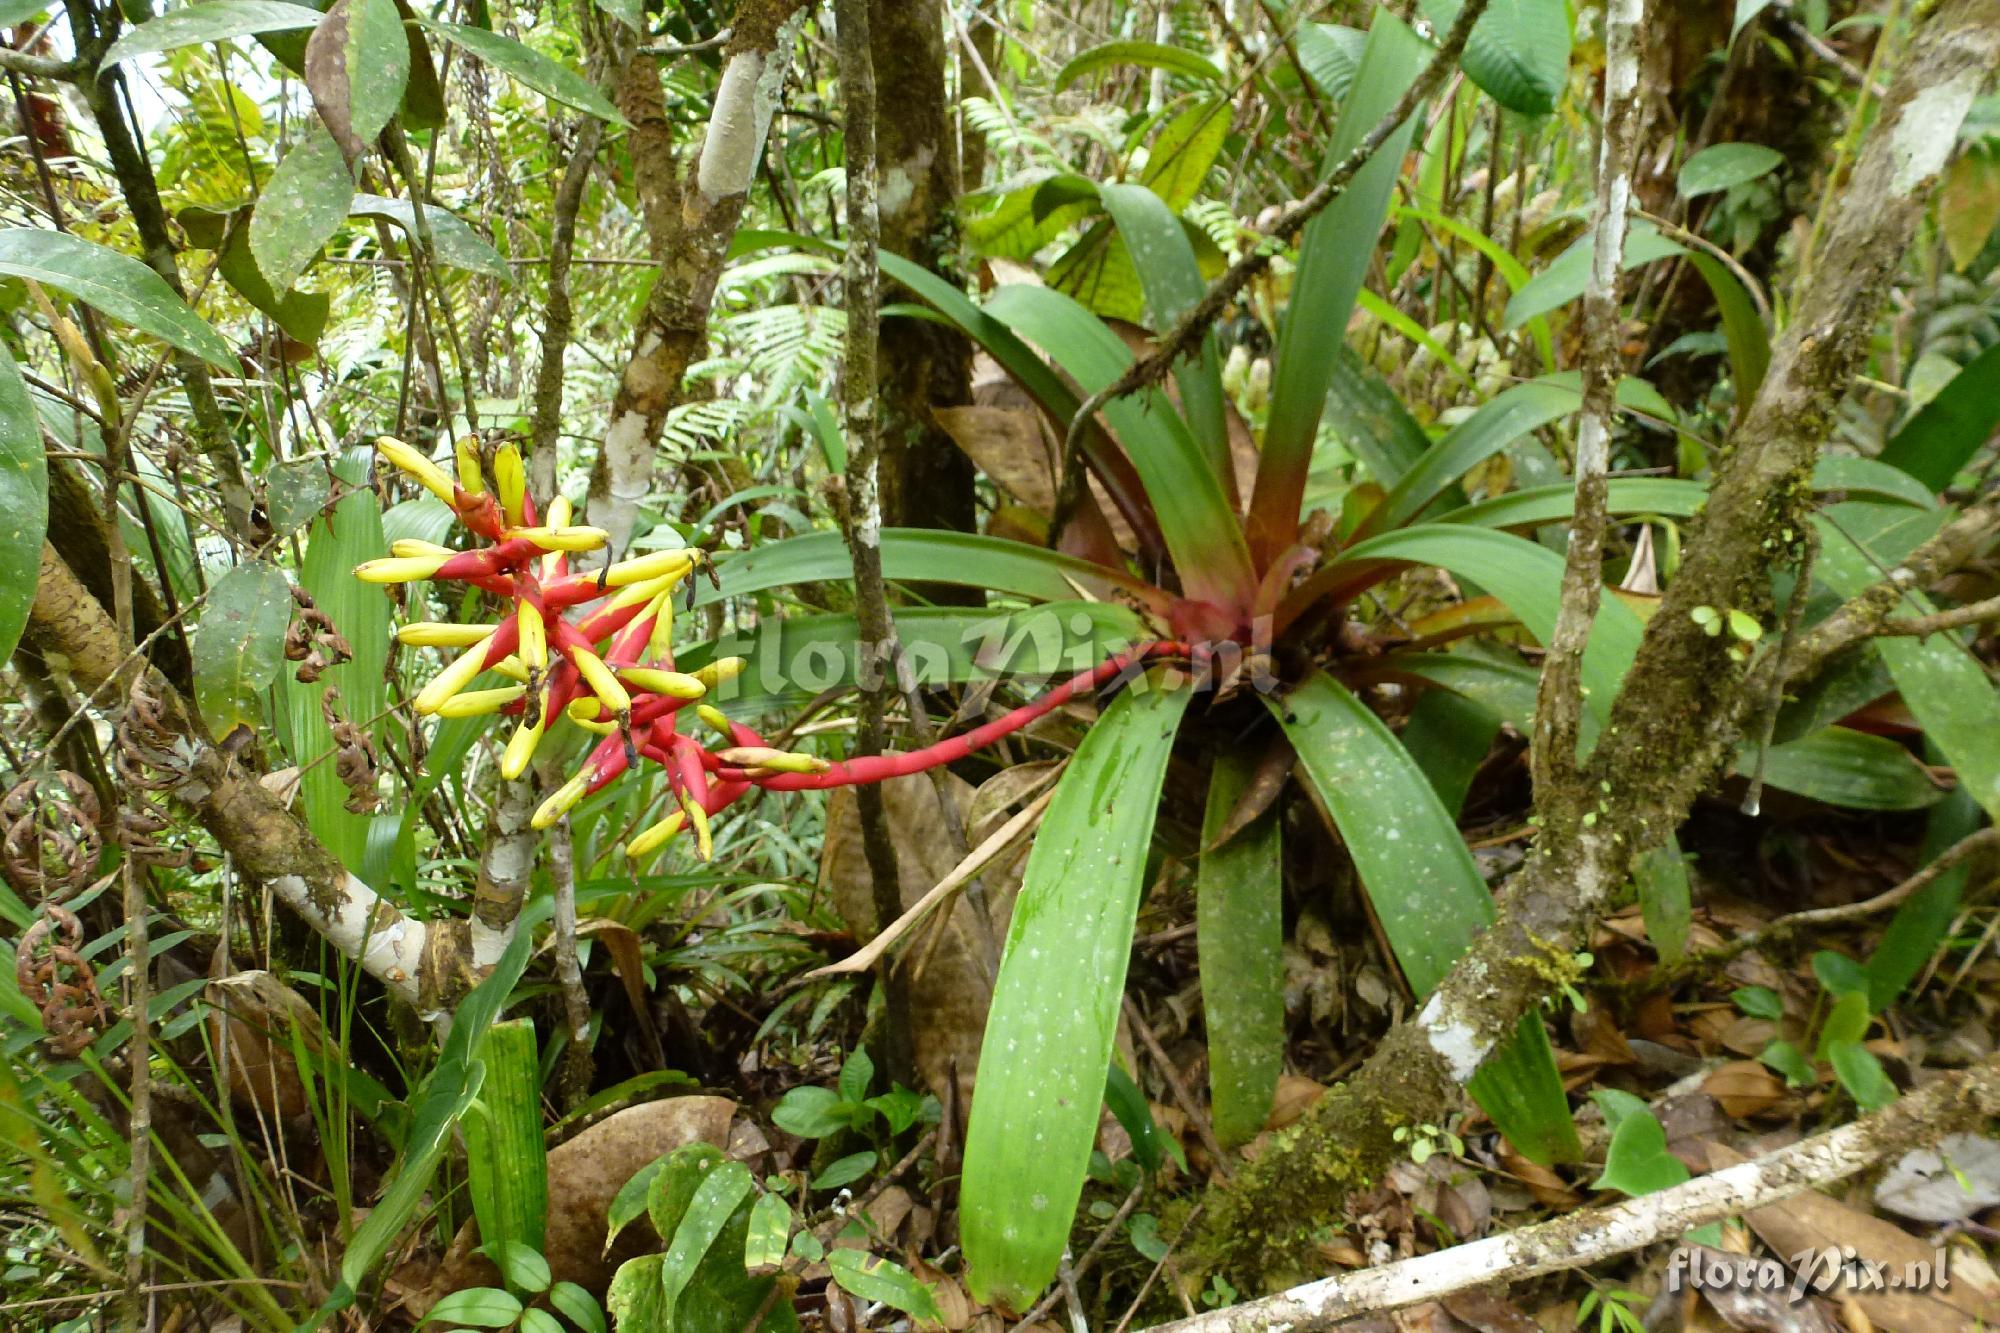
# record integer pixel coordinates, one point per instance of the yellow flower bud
(409, 547)
(673, 684)
(553, 538)
(658, 564)
(439, 634)
(454, 678)
(655, 837)
(561, 801)
(469, 477)
(775, 761)
(510, 482)
(399, 569)
(720, 670)
(479, 703)
(520, 751)
(660, 642)
(583, 712)
(704, 844)
(426, 473)
(512, 669)
(712, 715)
(534, 638)
(602, 683)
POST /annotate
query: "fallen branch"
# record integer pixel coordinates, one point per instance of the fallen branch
(1591, 1236)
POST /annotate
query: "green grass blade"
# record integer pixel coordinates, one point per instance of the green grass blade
(1424, 885)
(1240, 929)
(506, 1163)
(1055, 1005)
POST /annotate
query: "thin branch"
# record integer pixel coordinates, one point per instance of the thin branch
(1559, 702)
(39, 67)
(1922, 627)
(1193, 326)
(1597, 1234)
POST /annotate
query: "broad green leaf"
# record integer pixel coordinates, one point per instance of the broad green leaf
(239, 646)
(1924, 918)
(1842, 976)
(476, 1307)
(856, 1073)
(1334, 254)
(1861, 1074)
(457, 244)
(811, 1112)
(357, 65)
(1331, 54)
(1785, 1057)
(302, 315)
(1240, 930)
(925, 555)
(629, 1204)
(24, 503)
(1638, 1161)
(1667, 496)
(1721, 165)
(1666, 898)
(553, 80)
(348, 534)
(215, 21)
(1055, 1004)
(1846, 768)
(1518, 52)
(1179, 159)
(1969, 203)
(122, 287)
(1940, 680)
(1948, 430)
(1504, 688)
(302, 206)
(523, 1266)
(1759, 1002)
(296, 492)
(846, 1170)
(723, 1189)
(770, 1232)
(638, 1294)
(577, 1305)
(874, 1279)
(1098, 271)
(1745, 11)
(537, 1320)
(1200, 528)
(1563, 280)
(1171, 277)
(16, 12)
(1148, 55)
(1848, 1020)
(1425, 887)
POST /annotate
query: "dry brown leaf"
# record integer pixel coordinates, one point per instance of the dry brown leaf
(585, 1175)
(1817, 1222)
(1746, 1088)
(1489, 1310)
(258, 1013)
(1548, 1188)
(1294, 1097)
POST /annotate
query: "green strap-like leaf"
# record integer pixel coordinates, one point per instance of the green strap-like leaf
(1721, 165)
(117, 284)
(1940, 680)
(1240, 930)
(925, 555)
(239, 645)
(24, 503)
(1563, 280)
(1149, 55)
(1667, 496)
(1948, 430)
(1200, 528)
(1425, 887)
(216, 21)
(1846, 768)
(1743, 330)
(1334, 254)
(1171, 276)
(553, 80)
(1055, 1004)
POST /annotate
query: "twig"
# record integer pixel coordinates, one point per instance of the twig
(1178, 1087)
(1593, 1235)
(1922, 627)
(1193, 326)
(1559, 702)
(1785, 926)
(1154, 1276)
(691, 48)
(975, 861)
(138, 1055)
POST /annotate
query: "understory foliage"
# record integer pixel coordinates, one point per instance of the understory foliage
(894, 663)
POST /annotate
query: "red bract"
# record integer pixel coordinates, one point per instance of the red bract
(596, 648)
